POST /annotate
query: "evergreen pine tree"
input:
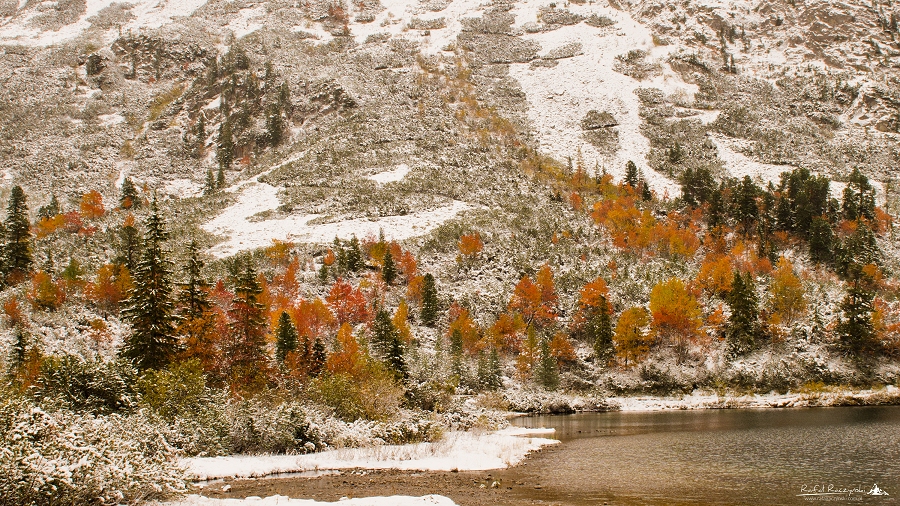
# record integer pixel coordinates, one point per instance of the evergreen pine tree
(225, 149)
(129, 197)
(389, 270)
(547, 373)
(821, 239)
(855, 328)
(194, 306)
(17, 255)
(73, 272)
(646, 194)
(285, 337)
(128, 246)
(220, 178)
(323, 274)
(489, 374)
(18, 352)
(743, 325)
(599, 331)
(50, 210)
(354, 255)
(631, 174)
(150, 309)
(317, 362)
(245, 350)
(388, 344)
(211, 185)
(274, 125)
(429, 301)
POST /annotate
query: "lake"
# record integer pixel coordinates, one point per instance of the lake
(767, 456)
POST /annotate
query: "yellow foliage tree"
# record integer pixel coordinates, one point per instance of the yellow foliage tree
(788, 295)
(632, 342)
(675, 314)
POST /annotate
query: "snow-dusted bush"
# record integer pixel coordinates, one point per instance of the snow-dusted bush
(258, 426)
(192, 413)
(88, 386)
(540, 401)
(65, 458)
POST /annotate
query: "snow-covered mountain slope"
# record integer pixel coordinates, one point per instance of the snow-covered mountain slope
(751, 86)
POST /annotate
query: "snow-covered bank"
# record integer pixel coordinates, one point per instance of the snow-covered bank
(278, 500)
(463, 451)
(697, 400)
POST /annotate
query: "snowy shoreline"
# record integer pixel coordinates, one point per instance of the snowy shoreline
(889, 395)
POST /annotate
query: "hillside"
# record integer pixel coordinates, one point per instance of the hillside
(333, 224)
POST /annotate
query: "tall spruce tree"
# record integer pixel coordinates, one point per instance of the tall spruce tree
(388, 269)
(285, 337)
(194, 308)
(128, 246)
(225, 149)
(17, 256)
(388, 343)
(129, 198)
(631, 174)
(599, 331)
(547, 372)
(50, 210)
(151, 309)
(821, 241)
(317, 362)
(429, 301)
(245, 353)
(354, 255)
(743, 324)
(855, 328)
(211, 185)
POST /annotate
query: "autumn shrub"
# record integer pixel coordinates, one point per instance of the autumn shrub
(64, 458)
(193, 413)
(372, 395)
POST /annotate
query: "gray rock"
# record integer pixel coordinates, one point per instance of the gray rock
(595, 119)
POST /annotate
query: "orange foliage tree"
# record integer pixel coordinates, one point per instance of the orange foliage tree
(348, 303)
(112, 286)
(91, 206)
(536, 302)
(461, 321)
(347, 358)
(788, 298)
(716, 273)
(44, 292)
(470, 246)
(675, 314)
(632, 342)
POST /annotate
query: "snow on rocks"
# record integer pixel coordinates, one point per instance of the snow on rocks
(148, 14)
(280, 500)
(464, 451)
(239, 223)
(559, 96)
(740, 165)
(390, 176)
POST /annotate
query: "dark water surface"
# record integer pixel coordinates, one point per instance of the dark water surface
(769, 456)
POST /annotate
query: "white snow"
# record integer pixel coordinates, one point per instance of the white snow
(280, 500)
(390, 176)
(107, 120)
(182, 188)
(463, 451)
(397, 14)
(560, 96)
(148, 14)
(257, 197)
(247, 21)
(740, 165)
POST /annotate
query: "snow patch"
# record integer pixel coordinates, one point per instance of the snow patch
(280, 500)
(740, 165)
(463, 451)
(148, 14)
(390, 176)
(183, 188)
(560, 96)
(246, 22)
(107, 120)
(256, 197)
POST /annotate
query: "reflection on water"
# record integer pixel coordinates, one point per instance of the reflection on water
(722, 456)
